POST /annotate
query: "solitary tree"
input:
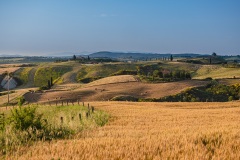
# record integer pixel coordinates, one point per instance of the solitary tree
(49, 85)
(74, 57)
(214, 54)
(51, 82)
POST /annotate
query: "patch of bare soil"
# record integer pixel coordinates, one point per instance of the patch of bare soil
(105, 92)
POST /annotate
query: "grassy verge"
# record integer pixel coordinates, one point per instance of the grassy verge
(24, 125)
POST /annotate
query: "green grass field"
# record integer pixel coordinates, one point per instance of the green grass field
(103, 70)
(43, 74)
(23, 74)
(71, 116)
(216, 72)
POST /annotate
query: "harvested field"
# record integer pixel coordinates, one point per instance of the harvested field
(14, 96)
(8, 69)
(107, 91)
(229, 81)
(114, 79)
(151, 131)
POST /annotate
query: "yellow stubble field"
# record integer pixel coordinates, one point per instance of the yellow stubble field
(151, 131)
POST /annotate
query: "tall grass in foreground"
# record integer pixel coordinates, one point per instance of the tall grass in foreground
(26, 125)
(151, 131)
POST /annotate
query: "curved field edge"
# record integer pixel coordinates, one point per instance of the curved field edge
(153, 131)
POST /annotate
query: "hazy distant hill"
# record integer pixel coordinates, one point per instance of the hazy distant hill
(10, 55)
(123, 55)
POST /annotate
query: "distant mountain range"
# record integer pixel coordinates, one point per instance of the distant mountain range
(114, 55)
(123, 55)
(11, 55)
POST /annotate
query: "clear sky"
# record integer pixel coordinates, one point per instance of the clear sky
(40, 27)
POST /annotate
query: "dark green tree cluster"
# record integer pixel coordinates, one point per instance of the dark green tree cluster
(125, 72)
(210, 93)
(147, 69)
(158, 73)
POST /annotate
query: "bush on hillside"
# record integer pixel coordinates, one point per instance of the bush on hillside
(214, 92)
(125, 72)
(23, 118)
(124, 98)
(88, 79)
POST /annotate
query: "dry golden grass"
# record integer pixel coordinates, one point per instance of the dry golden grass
(13, 96)
(8, 69)
(152, 131)
(113, 79)
(106, 92)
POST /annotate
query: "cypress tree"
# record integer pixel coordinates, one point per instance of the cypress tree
(49, 85)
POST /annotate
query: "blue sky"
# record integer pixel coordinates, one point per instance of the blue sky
(41, 27)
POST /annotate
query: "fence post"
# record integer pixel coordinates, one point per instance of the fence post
(80, 116)
(92, 109)
(83, 103)
(78, 101)
(61, 118)
(86, 114)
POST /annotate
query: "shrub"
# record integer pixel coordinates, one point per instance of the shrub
(88, 79)
(124, 98)
(101, 118)
(43, 88)
(25, 118)
(21, 100)
(124, 72)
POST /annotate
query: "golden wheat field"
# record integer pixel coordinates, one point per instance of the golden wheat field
(151, 131)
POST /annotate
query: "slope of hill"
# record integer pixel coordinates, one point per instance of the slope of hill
(105, 92)
(114, 80)
(216, 72)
